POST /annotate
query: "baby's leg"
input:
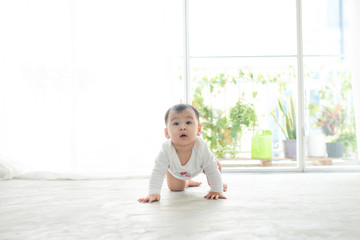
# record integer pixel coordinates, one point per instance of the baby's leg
(175, 184)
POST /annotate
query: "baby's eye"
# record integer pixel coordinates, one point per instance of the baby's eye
(188, 122)
(175, 123)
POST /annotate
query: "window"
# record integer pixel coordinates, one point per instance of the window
(244, 80)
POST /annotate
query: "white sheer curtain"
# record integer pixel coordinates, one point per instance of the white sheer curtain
(84, 84)
(355, 66)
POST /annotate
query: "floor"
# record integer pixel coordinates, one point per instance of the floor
(259, 206)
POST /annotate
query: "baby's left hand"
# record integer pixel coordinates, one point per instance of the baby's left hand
(214, 195)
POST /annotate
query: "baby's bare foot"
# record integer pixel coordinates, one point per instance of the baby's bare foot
(225, 187)
(192, 183)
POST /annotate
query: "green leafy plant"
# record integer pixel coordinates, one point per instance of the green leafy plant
(222, 131)
(290, 119)
(242, 115)
(224, 127)
(349, 140)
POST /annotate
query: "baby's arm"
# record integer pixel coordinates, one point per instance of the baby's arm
(215, 181)
(156, 179)
(214, 176)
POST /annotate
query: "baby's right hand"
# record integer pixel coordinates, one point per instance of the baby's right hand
(150, 198)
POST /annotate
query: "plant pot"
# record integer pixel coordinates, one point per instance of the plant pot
(316, 145)
(335, 149)
(261, 145)
(290, 148)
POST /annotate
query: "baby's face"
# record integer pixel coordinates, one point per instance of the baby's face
(182, 127)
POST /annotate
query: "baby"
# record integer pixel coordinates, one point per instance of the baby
(184, 156)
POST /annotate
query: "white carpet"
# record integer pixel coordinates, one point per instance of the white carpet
(259, 206)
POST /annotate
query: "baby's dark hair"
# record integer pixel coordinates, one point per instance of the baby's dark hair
(179, 108)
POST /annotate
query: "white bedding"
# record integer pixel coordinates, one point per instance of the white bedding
(8, 168)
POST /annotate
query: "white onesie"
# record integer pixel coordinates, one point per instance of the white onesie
(201, 159)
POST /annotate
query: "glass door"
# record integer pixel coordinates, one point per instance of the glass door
(329, 108)
(243, 80)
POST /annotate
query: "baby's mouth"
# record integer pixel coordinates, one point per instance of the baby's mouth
(183, 135)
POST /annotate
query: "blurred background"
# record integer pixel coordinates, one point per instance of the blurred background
(84, 85)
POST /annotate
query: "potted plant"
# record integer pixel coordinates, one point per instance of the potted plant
(330, 121)
(290, 127)
(242, 115)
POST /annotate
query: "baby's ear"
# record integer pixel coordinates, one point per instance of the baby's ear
(166, 133)
(199, 130)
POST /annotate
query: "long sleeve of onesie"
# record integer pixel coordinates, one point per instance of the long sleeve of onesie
(211, 170)
(158, 173)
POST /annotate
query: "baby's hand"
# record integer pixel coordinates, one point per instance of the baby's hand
(214, 195)
(150, 198)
